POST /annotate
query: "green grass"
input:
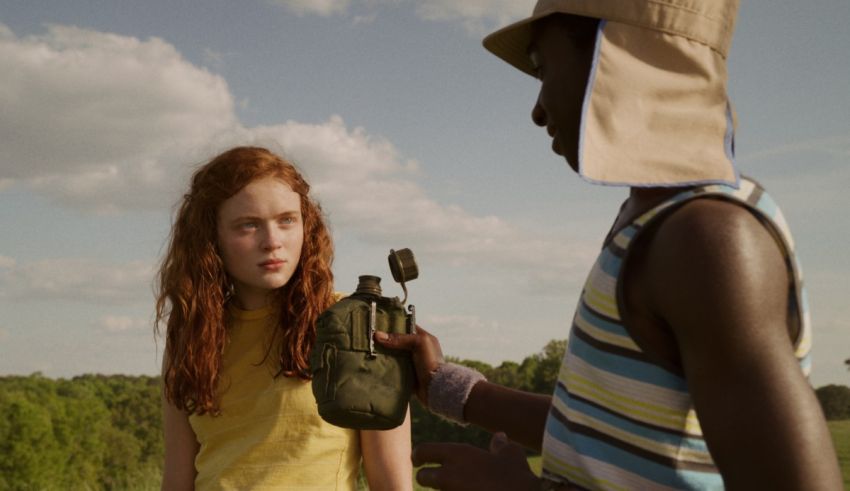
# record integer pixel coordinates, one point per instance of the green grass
(840, 431)
(534, 462)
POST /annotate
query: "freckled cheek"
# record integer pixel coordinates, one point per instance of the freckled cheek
(234, 249)
(229, 258)
(295, 243)
(295, 240)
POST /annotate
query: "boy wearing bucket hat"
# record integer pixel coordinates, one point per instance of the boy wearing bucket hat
(687, 359)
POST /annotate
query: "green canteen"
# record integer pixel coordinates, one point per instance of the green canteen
(357, 383)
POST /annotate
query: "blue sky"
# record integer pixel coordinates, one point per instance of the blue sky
(412, 135)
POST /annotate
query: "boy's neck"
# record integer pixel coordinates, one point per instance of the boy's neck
(642, 200)
(652, 196)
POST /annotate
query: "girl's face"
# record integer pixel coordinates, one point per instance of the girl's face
(260, 234)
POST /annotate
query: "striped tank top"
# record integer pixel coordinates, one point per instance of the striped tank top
(618, 421)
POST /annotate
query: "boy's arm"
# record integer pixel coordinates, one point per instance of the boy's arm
(760, 418)
(521, 415)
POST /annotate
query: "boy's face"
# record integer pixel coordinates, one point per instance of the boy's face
(562, 52)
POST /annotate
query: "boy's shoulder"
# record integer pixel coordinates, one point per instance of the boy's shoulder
(707, 237)
(701, 223)
(713, 254)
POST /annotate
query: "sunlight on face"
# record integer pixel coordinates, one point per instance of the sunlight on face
(562, 55)
(260, 234)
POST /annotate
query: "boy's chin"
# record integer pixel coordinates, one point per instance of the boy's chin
(571, 157)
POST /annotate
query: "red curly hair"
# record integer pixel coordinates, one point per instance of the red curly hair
(194, 287)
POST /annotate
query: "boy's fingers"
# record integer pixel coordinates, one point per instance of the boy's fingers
(422, 343)
(498, 442)
(426, 354)
(437, 453)
(429, 477)
(396, 341)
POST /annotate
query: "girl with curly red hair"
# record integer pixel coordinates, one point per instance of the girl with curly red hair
(246, 274)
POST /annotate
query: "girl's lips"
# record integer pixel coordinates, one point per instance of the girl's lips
(272, 264)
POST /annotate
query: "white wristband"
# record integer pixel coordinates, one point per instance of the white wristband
(449, 389)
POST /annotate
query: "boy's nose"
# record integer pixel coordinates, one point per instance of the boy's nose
(538, 115)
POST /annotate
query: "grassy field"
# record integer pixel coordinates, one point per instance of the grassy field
(840, 436)
(533, 462)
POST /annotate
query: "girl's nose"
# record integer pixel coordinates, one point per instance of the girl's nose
(273, 239)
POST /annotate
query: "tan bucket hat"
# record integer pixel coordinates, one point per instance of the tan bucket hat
(656, 110)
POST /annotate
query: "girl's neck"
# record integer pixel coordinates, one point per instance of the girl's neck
(245, 300)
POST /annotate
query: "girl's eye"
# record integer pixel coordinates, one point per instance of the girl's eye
(287, 220)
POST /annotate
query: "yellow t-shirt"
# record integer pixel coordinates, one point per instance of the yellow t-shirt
(269, 434)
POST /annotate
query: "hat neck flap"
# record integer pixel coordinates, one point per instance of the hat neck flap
(656, 111)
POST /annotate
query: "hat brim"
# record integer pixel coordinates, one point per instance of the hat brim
(511, 42)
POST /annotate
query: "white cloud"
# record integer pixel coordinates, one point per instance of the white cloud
(110, 142)
(122, 323)
(478, 16)
(318, 7)
(86, 280)
(364, 19)
(370, 191)
(3, 333)
(7, 262)
(99, 120)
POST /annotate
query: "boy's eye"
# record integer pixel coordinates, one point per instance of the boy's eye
(287, 220)
(247, 225)
(536, 64)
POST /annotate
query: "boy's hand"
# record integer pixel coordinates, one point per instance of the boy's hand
(467, 468)
(427, 355)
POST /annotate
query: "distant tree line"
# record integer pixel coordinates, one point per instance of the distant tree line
(835, 401)
(89, 432)
(105, 432)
